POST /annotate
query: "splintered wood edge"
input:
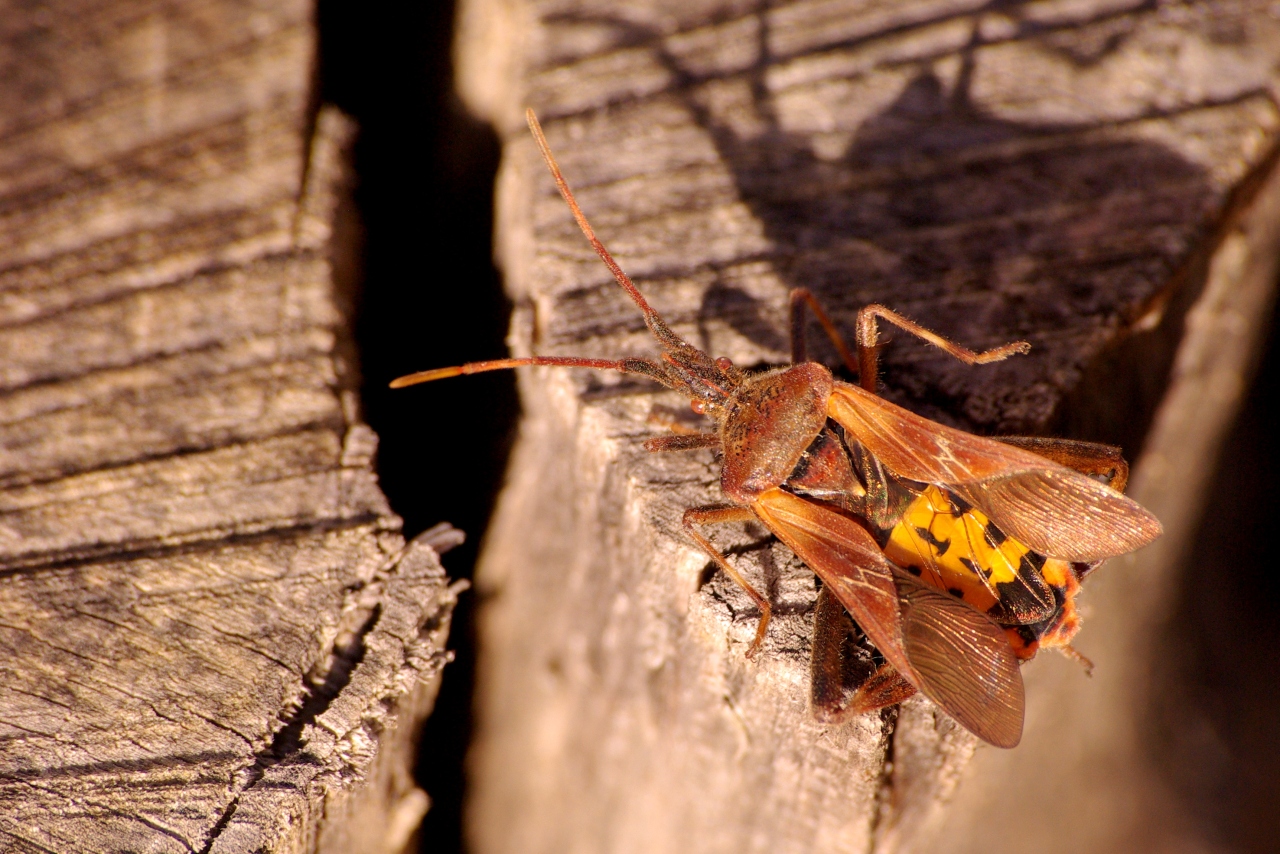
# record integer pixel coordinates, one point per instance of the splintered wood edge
(337, 758)
(392, 639)
(361, 741)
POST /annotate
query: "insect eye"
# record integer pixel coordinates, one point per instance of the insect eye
(698, 407)
(723, 364)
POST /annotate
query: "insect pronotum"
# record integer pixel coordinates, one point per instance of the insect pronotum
(864, 491)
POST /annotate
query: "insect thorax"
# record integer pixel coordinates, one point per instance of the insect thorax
(768, 423)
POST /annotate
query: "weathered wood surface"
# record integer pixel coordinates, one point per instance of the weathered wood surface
(208, 620)
(1067, 173)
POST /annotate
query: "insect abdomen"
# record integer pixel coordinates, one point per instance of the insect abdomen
(955, 548)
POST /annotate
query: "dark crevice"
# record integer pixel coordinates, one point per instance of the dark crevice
(429, 296)
(221, 825)
(884, 800)
(288, 741)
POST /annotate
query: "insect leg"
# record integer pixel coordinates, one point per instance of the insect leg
(1105, 462)
(1074, 654)
(719, 516)
(683, 442)
(844, 680)
(886, 687)
(868, 355)
(666, 417)
(799, 298)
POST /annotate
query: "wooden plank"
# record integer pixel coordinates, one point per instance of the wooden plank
(1059, 172)
(212, 626)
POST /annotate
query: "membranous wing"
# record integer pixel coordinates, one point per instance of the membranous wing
(952, 653)
(1051, 509)
(961, 655)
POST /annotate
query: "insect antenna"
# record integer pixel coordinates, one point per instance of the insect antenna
(646, 367)
(682, 367)
(670, 342)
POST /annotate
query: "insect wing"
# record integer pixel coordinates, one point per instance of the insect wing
(847, 560)
(1051, 509)
(961, 655)
(968, 667)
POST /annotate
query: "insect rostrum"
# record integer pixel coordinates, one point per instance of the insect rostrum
(958, 556)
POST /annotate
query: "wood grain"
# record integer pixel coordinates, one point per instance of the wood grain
(211, 624)
(1060, 172)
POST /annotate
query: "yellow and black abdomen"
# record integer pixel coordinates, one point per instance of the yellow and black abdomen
(954, 547)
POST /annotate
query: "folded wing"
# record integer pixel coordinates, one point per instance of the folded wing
(1050, 508)
(954, 651)
(954, 654)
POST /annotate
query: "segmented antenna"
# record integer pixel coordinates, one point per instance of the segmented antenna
(668, 339)
(679, 354)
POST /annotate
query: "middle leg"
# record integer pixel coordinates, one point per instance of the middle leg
(719, 516)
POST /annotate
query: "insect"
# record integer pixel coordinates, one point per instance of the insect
(935, 535)
(847, 480)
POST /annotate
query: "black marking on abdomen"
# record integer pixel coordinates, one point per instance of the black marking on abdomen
(1029, 634)
(973, 567)
(1028, 599)
(940, 546)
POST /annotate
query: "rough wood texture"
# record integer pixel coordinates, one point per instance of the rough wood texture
(1062, 172)
(210, 622)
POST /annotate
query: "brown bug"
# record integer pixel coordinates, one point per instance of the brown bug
(833, 471)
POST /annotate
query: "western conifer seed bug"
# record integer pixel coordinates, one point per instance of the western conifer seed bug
(945, 548)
